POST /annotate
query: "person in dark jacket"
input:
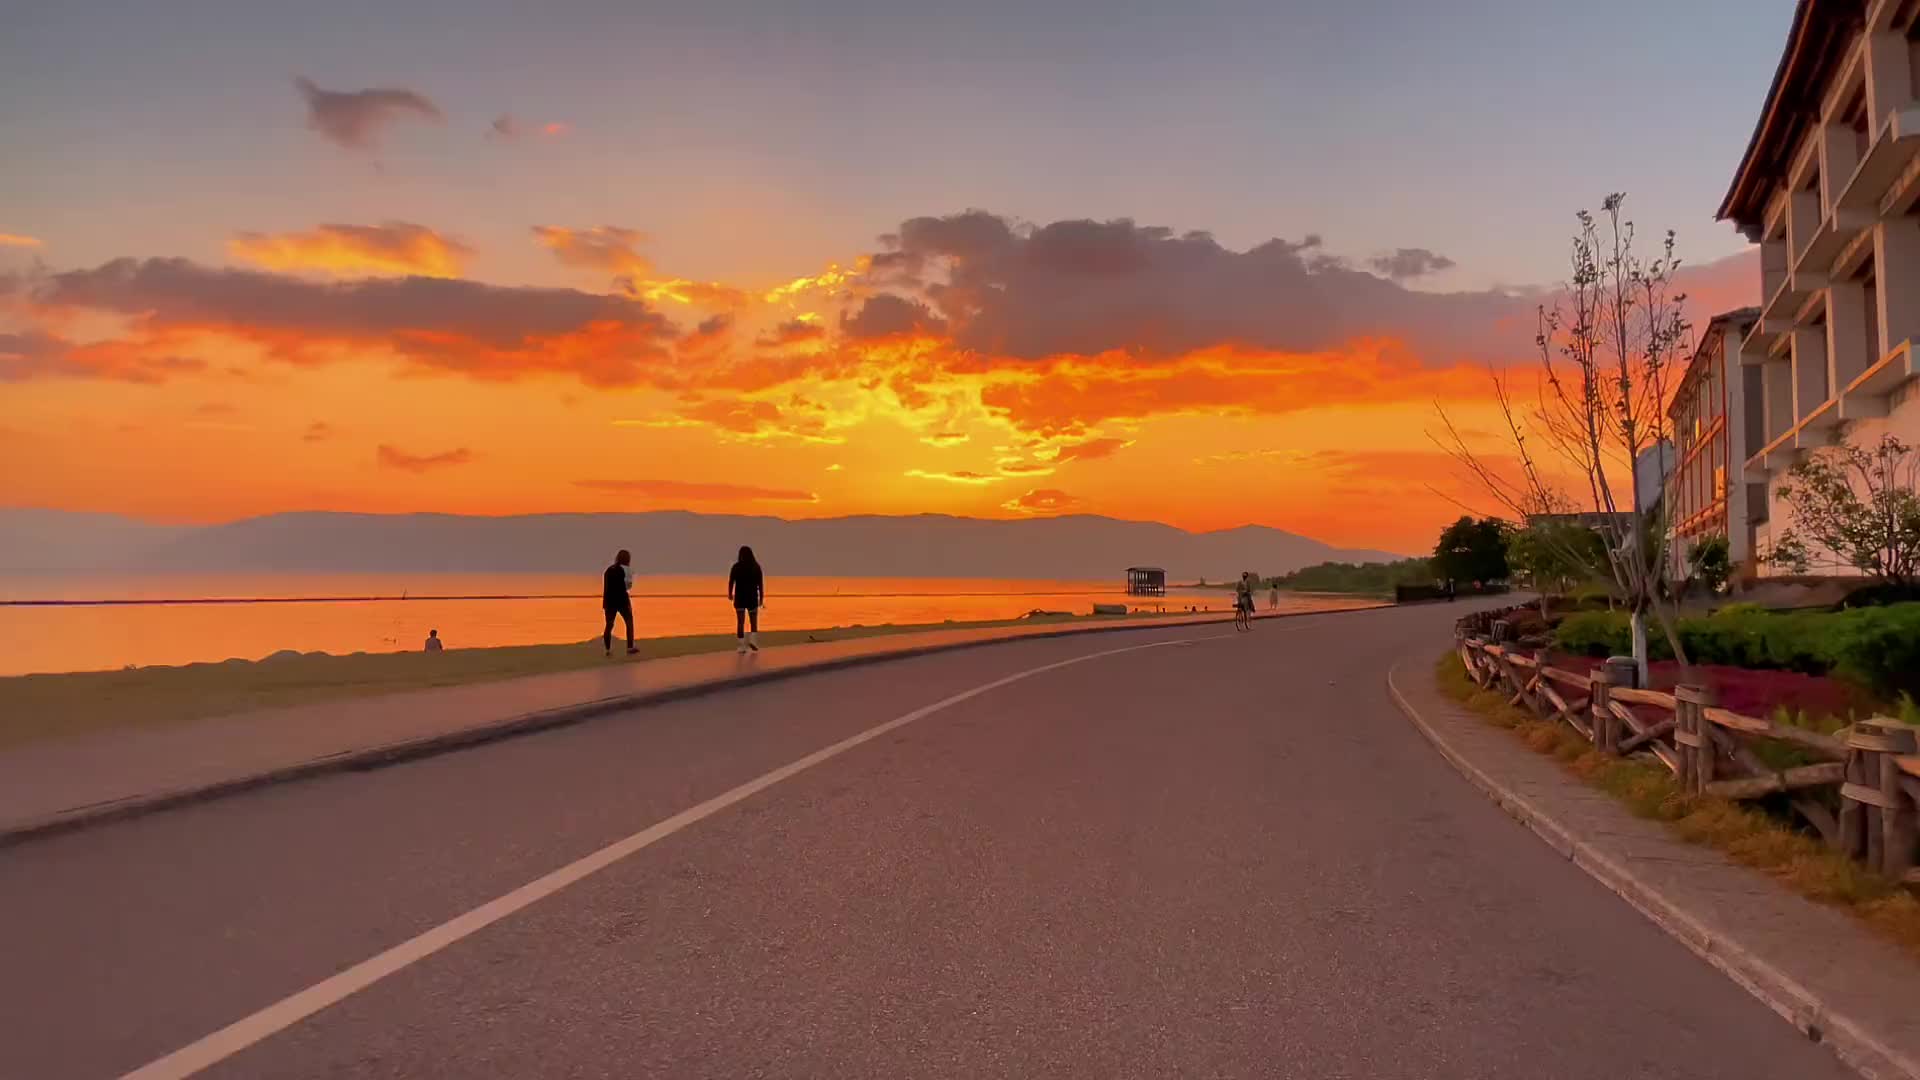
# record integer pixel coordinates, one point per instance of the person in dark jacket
(747, 588)
(614, 600)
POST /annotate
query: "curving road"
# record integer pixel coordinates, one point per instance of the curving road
(1215, 855)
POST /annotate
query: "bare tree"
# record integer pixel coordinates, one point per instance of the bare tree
(1607, 352)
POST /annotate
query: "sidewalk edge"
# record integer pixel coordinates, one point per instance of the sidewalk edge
(1774, 988)
(375, 757)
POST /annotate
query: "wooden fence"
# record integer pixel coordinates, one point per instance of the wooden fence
(1861, 791)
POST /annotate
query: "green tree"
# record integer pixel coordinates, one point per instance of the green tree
(1878, 534)
(1558, 555)
(1472, 550)
(1710, 563)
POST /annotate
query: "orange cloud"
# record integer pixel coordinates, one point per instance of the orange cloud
(395, 458)
(1091, 450)
(17, 240)
(1041, 501)
(962, 476)
(1070, 395)
(698, 492)
(318, 431)
(396, 247)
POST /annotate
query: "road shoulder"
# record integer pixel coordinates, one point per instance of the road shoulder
(1830, 978)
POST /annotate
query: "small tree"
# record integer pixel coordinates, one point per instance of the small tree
(1557, 555)
(1710, 563)
(1470, 550)
(1607, 354)
(1878, 534)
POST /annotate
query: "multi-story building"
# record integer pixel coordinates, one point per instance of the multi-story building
(1714, 411)
(1828, 187)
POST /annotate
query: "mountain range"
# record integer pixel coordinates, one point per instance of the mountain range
(663, 542)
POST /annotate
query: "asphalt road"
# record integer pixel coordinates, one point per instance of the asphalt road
(1231, 857)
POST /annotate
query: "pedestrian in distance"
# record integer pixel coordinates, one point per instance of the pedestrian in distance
(747, 589)
(1273, 598)
(615, 600)
(434, 644)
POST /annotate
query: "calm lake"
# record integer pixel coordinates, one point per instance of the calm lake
(110, 621)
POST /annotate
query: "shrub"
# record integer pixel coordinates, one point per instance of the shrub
(1594, 633)
(1877, 648)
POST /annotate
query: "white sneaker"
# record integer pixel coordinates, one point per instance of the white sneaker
(741, 646)
(753, 640)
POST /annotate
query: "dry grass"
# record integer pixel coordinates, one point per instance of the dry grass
(1749, 836)
(38, 707)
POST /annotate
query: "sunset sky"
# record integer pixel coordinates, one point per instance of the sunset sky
(1209, 264)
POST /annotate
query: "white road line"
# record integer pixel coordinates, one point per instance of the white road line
(289, 1011)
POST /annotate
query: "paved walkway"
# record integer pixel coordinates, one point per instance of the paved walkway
(1820, 969)
(61, 782)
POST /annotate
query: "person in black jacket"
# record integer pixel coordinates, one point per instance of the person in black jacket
(615, 601)
(747, 588)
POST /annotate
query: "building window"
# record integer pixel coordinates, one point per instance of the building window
(1875, 350)
(1719, 483)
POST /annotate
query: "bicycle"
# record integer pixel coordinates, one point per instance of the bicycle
(1242, 615)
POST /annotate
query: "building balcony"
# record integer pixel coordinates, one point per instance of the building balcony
(1815, 429)
(1866, 395)
(1774, 457)
(1782, 308)
(1894, 147)
(1837, 230)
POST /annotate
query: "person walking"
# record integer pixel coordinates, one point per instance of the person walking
(1273, 598)
(747, 588)
(614, 600)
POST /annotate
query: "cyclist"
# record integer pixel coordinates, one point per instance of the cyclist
(1243, 602)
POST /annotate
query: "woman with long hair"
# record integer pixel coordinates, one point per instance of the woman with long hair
(747, 588)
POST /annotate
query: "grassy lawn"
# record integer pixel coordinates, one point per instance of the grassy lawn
(36, 707)
(1747, 835)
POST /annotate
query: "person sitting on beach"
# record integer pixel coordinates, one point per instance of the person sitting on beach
(433, 641)
(614, 600)
(747, 588)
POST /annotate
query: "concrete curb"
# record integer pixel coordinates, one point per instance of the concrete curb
(375, 757)
(1776, 989)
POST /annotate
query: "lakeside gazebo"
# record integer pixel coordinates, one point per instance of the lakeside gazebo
(1146, 581)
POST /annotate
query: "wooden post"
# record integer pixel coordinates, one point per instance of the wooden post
(1600, 712)
(1897, 810)
(1693, 737)
(1864, 807)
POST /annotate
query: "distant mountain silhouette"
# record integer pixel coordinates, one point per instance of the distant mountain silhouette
(66, 540)
(681, 542)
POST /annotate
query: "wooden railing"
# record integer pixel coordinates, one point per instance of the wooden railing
(1861, 793)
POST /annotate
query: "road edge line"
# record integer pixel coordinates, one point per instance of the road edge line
(1772, 987)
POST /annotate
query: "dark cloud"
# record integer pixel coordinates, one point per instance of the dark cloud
(355, 118)
(483, 331)
(504, 126)
(791, 332)
(39, 355)
(393, 457)
(886, 315)
(1410, 263)
(1085, 287)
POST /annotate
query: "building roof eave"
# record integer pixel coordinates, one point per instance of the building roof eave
(1815, 45)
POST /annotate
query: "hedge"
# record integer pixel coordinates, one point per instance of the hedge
(1876, 647)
